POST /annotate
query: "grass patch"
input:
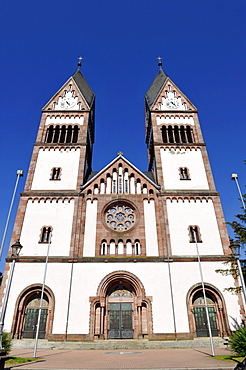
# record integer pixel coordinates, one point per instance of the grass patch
(233, 358)
(20, 360)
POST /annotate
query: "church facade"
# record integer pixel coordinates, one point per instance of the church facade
(122, 244)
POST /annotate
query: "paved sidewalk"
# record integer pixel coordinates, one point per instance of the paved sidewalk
(158, 359)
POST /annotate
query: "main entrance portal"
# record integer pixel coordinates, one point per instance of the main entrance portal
(120, 303)
(121, 309)
(120, 321)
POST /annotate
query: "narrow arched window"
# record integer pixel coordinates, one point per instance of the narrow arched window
(164, 134)
(49, 137)
(45, 234)
(63, 134)
(75, 134)
(182, 134)
(176, 134)
(69, 134)
(189, 134)
(103, 248)
(137, 247)
(184, 173)
(57, 134)
(194, 233)
(56, 173)
(170, 134)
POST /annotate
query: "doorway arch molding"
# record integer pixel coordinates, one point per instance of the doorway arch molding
(219, 304)
(126, 277)
(20, 306)
(142, 310)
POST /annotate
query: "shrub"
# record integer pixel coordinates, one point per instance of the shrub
(7, 342)
(238, 341)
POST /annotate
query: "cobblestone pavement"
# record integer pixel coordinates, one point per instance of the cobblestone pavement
(157, 359)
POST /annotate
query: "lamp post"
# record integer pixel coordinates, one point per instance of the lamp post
(16, 248)
(235, 248)
(204, 294)
(41, 298)
(72, 264)
(234, 176)
(19, 174)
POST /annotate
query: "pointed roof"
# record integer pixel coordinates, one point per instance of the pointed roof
(84, 87)
(156, 87)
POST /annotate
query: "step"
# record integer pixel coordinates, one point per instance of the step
(119, 344)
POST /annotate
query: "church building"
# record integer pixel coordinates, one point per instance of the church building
(122, 243)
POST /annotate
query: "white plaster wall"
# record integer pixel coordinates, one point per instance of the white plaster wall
(185, 275)
(90, 228)
(57, 120)
(175, 120)
(173, 159)
(57, 279)
(150, 228)
(68, 160)
(183, 214)
(87, 277)
(57, 215)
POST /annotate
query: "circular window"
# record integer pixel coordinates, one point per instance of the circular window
(120, 217)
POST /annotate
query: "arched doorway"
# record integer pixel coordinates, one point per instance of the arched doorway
(26, 313)
(120, 321)
(121, 309)
(216, 312)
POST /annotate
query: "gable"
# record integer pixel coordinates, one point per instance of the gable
(75, 94)
(120, 177)
(164, 95)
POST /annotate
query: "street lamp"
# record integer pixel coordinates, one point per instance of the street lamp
(16, 248)
(234, 176)
(19, 173)
(235, 248)
(204, 293)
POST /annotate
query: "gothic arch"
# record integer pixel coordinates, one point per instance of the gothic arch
(25, 297)
(216, 303)
(100, 305)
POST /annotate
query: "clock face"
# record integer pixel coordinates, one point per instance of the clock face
(67, 103)
(172, 103)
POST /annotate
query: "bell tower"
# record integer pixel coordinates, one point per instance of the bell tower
(176, 150)
(179, 161)
(65, 138)
(60, 164)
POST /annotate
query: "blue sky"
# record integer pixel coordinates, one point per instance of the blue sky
(202, 43)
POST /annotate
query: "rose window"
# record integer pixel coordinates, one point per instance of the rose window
(120, 217)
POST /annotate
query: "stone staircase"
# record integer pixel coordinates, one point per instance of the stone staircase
(130, 344)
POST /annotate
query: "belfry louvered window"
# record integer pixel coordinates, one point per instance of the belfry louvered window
(177, 134)
(62, 134)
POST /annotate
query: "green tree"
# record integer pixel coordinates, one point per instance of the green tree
(239, 227)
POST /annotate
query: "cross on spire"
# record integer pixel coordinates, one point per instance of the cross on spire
(80, 62)
(159, 61)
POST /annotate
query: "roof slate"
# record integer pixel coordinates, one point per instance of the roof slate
(156, 87)
(84, 87)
